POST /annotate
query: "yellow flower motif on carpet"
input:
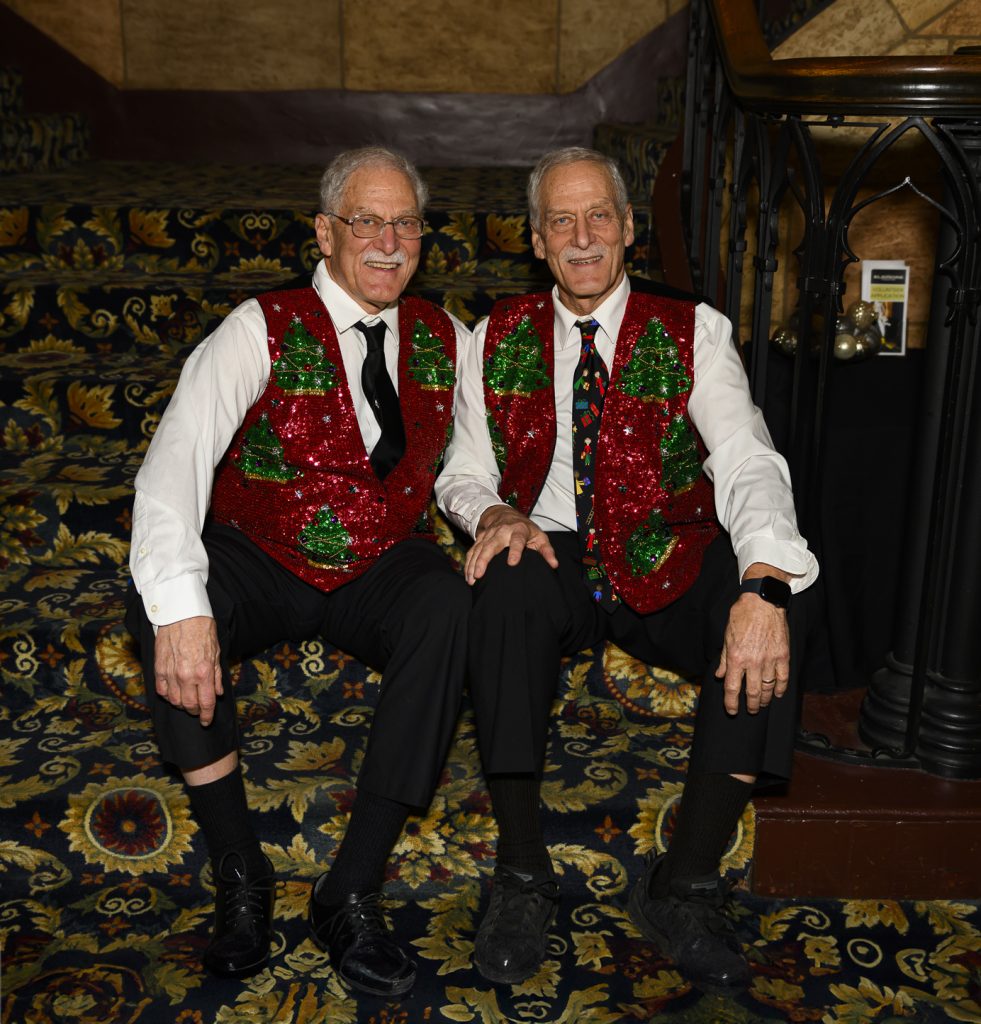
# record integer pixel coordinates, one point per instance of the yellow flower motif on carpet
(87, 995)
(115, 655)
(150, 228)
(506, 234)
(137, 825)
(443, 846)
(647, 690)
(13, 225)
(655, 822)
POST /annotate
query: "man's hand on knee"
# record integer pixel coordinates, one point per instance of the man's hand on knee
(755, 653)
(186, 665)
(503, 527)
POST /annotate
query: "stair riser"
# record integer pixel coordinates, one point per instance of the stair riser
(51, 322)
(117, 401)
(197, 243)
(11, 92)
(39, 143)
(44, 318)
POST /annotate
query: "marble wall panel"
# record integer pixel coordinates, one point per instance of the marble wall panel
(963, 19)
(510, 46)
(918, 46)
(850, 28)
(916, 13)
(591, 34)
(222, 44)
(89, 29)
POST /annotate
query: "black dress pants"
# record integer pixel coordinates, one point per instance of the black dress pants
(527, 617)
(406, 616)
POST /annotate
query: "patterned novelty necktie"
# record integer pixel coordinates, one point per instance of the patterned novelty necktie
(588, 391)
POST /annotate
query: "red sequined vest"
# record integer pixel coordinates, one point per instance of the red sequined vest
(296, 478)
(654, 508)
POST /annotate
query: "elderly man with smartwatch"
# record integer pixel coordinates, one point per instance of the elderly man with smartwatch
(604, 433)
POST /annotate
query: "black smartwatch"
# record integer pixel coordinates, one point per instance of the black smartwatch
(769, 588)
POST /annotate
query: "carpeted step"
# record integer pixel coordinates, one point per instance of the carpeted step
(639, 149)
(115, 311)
(103, 313)
(41, 312)
(42, 142)
(229, 222)
(60, 392)
(63, 549)
(11, 92)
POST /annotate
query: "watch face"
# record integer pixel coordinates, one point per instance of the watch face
(775, 591)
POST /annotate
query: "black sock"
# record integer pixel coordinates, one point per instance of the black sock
(711, 806)
(221, 811)
(359, 864)
(517, 808)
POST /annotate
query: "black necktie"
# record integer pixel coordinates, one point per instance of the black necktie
(588, 392)
(380, 393)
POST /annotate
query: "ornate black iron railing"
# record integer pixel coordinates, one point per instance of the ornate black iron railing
(828, 138)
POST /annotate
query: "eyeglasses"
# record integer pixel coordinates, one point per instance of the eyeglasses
(367, 225)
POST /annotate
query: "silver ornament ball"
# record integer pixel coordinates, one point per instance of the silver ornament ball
(845, 346)
(861, 313)
(870, 340)
(785, 339)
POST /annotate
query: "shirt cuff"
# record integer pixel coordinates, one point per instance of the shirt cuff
(177, 599)
(801, 564)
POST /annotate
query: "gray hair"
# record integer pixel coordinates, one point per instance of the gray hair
(572, 155)
(339, 171)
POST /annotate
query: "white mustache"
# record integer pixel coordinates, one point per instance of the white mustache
(573, 252)
(383, 257)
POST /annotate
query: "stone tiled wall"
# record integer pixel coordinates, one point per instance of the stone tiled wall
(510, 46)
(863, 28)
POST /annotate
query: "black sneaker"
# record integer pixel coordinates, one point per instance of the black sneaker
(691, 926)
(510, 943)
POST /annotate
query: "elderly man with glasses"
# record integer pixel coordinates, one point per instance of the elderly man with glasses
(280, 499)
(584, 418)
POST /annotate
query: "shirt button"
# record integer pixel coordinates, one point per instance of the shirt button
(153, 608)
(143, 551)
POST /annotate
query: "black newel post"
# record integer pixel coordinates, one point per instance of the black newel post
(925, 703)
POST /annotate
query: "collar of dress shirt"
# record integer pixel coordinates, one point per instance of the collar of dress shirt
(343, 310)
(608, 314)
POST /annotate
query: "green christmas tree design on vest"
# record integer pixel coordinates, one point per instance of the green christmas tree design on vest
(654, 371)
(517, 365)
(680, 464)
(261, 454)
(303, 367)
(497, 443)
(650, 544)
(429, 365)
(325, 542)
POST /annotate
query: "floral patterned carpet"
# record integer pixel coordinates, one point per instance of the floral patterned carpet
(105, 896)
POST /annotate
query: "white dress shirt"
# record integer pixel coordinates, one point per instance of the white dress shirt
(221, 380)
(753, 498)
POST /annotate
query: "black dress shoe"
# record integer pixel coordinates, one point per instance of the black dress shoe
(362, 949)
(511, 940)
(690, 925)
(243, 919)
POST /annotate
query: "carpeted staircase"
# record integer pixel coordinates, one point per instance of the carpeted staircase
(109, 274)
(36, 143)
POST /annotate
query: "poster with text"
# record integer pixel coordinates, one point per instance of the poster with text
(885, 283)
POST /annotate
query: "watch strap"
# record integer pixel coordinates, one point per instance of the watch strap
(771, 589)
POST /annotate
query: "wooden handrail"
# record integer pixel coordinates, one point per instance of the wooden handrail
(934, 86)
